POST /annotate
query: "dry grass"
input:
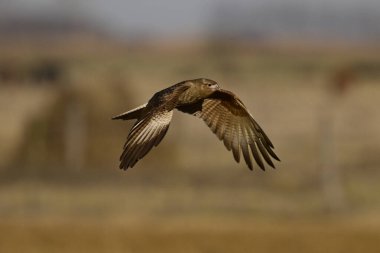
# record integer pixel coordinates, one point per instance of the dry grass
(187, 214)
(163, 236)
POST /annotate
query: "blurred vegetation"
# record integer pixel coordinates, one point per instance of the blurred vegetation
(60, 163)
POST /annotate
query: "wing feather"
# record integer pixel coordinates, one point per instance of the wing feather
(269, 149)
(264, 153)
(256, 155)
(244, 148)
(235, 141)
(227, 134)
(228, 118)
(145, 134)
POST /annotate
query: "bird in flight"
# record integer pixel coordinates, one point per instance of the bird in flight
(222, 111)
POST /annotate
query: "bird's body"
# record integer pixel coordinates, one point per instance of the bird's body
(221, 110)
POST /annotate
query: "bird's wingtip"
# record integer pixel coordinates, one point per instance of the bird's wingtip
(120, 116)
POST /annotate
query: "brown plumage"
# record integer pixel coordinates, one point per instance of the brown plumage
(221, 110)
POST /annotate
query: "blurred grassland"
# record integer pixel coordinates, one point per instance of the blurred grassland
(224, 237)
(188, 195)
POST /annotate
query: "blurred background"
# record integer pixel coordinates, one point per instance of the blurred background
(309, 72)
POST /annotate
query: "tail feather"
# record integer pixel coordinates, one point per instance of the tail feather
(131, 114)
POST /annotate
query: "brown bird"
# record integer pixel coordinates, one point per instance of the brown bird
(221, 110)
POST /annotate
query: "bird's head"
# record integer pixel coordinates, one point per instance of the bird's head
(210, 84)
(206, 85)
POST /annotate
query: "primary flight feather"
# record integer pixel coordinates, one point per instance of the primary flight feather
(223, 112)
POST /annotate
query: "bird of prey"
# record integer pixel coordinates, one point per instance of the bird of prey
(223, 112)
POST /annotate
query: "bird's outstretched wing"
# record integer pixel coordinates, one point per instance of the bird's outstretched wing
(229, 119)
(146, 133)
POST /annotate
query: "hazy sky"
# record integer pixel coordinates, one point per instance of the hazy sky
(184, 17)
(164, 17)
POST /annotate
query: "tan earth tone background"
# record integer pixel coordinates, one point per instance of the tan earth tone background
(61, 189)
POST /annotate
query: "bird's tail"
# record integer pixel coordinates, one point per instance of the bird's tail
(132, 114)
